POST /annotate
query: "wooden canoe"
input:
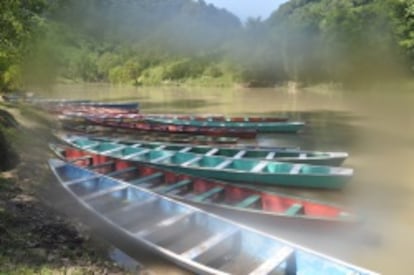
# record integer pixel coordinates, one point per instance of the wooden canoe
(262, 127)
(173, 129)
(131, 117)
(194, 239)
(223, 196)
(223, 168)
(106, 132)
(284, 154)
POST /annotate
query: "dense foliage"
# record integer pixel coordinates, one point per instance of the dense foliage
(152, 42)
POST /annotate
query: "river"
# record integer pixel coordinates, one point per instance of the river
(376, 127)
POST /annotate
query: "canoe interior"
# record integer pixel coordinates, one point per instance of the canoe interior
(281, 154)
(188, 129)
(202, 161)
(207, 191)
(199, 241)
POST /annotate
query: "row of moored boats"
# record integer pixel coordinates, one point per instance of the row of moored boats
(157, 192)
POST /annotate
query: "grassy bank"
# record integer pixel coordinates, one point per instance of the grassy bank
(34, 237)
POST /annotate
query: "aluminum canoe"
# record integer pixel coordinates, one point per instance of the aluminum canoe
(194, 239)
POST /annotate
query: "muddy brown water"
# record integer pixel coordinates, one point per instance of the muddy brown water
(375, 127)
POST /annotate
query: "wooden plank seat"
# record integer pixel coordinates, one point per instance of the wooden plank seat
(249, 201)
(102, 165)
(119, 148)
(223, 164)
(209, 243)
(164, 223)
(170, 187)
(104, 192)
(259, 167)
(282, 255)
(89, 145)
(185, 149)
(240, 154)
(161, 158)
(120, 172)
(271, 155)
(209, 193)
(295, 169)
(294, 209)
(211, 152)
(187, 163)
(146, 178)
(125, 214)
(82, 180)
(136, 154)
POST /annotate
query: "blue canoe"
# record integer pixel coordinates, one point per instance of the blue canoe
(191, 238)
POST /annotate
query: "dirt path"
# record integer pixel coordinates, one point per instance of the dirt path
(34, 237)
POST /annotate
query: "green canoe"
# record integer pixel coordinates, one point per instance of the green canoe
(263, 127)
(224, 168)
(284, 154)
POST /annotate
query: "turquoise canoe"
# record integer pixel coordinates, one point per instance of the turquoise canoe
(263, 127)
(191, 238)
(283, 154)
(224, 168)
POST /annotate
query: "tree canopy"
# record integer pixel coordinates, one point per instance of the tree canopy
(152, 42)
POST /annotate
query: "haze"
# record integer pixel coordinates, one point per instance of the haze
(248, 8)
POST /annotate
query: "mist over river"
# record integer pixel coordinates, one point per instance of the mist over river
(375, 127)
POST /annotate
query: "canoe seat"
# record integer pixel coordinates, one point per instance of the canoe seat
(159, 159)
(208, 194)
(136, 154)
(76, 181)
(187, 163)
(168, 222)
(240, 154)
(104, 192)
(280, 256)
(185, 149)
(209, 244)
(259, 167)
(170, 187)
(295, 169)
(122, 171)
(112, 150)
(102, 165)
(223, 164)
(89, 145)
(211, 152)
(271, 155)
(247, 202)
(294, 209)
(146, 179)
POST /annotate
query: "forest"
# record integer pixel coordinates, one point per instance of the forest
(186, 42)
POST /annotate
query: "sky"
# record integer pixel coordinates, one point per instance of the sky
(248, 8)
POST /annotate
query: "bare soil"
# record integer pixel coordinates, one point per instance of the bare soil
(34, 236)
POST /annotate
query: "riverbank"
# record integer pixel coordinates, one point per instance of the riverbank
(34, 237)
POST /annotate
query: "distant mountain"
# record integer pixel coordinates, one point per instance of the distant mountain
(175, 22)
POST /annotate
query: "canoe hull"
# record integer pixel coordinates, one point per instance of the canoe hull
(261, 127)
(304, 181)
